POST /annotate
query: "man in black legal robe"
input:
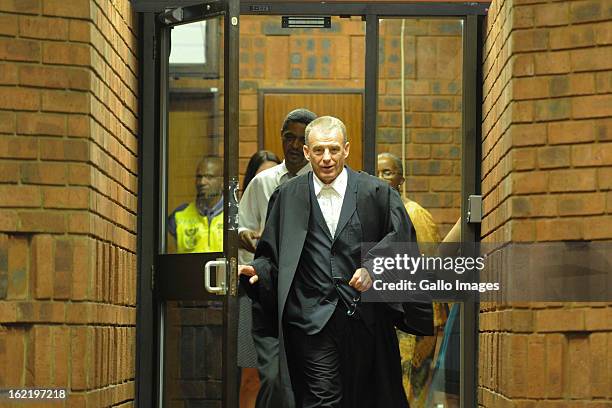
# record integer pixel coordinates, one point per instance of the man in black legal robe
(335, 350)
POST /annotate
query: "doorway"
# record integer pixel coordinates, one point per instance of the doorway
(435, 133)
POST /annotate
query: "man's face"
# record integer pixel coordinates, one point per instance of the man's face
(293, 143)
(209, 179)
(326, 153)
(388, 171)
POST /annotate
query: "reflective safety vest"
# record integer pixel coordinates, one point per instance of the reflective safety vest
(193, 232)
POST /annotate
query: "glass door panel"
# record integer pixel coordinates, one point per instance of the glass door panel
(419, 128)
(197, 252)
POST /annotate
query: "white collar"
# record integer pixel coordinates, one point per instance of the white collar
(282, 170)
(339, 183)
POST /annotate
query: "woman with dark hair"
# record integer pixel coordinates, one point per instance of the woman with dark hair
(247, 358)
(260, 161)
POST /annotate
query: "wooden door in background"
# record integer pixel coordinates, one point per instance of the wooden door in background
(348, 107)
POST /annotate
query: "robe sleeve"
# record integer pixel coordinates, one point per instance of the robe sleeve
(414, 317)
(266, 261)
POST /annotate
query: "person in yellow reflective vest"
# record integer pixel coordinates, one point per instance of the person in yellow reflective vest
(198, 226)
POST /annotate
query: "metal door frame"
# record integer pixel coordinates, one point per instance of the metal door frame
(472, 15)
(153, 41)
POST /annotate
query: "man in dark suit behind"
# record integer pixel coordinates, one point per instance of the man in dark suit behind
(335, 350)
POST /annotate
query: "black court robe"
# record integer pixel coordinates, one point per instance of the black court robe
(384, 221)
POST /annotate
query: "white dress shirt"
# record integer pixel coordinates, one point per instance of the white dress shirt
(254, 202)
(330, 197)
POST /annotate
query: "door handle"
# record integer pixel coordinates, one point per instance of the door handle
(221, 288)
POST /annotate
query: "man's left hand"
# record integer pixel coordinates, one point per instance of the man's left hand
(361, 280)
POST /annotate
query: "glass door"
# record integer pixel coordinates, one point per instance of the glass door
(195, 272)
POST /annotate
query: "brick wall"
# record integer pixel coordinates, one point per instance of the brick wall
(432, 71)
(68, 185)
(547, 166)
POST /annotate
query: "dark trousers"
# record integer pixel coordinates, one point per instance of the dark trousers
(332, 368)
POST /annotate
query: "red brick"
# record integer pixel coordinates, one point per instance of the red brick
(582, 204)
(572, 37)
(572, 180)
(528, 134)
(530, 40)
(7, 122)
(598, 227)
(40, 356)
(553, 109)
(558, 230)
(571, 132)
(41, 264)
(81, 345)
(580, 84)
(67, 8)
(19, 50)
(522, 111)
(551, 14)
(591, 59)
(598, 319)
(556, 351)
(19, 196)
(599, 364)
(9, 172)
(8, 25)
(599, 154)
(41, 221)
(41, 124)
(54, 77)
(587, 10)
(18, 147)
(522, 17)
(523, 65)
(80, 174)
(536, 361)
(603, 81)
(8, 220)
(62, 149)
(8, 74)
(603, 33)
(530, 88)
(66, 53)
(62, 101)
(80, 30)
(66, 197)
(78, 126)
(12, 358)
(63, 359)
(522, 231)
(603, 129)
(43, 173)
(560, 320)
(579, 376)
(604, 178)
(82, 280)
(529, 183)
(18, 284)
(592, 106)
(62, 280)
(557, 62)
(553, 157)
(19, 98)
(523, 158)
(43, 28)
(20, 6)
(533, 206)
